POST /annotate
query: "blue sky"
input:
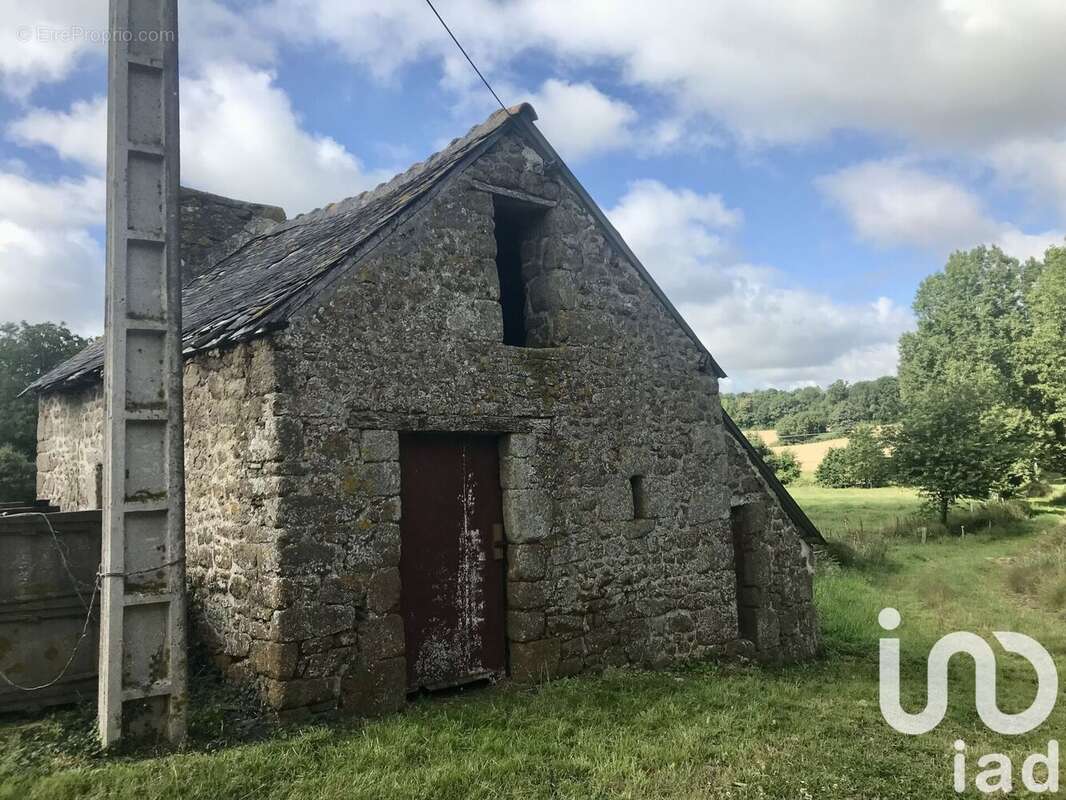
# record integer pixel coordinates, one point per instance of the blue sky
(788, 172)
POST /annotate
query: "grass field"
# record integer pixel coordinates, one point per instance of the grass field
(710, 731)
(839, 510)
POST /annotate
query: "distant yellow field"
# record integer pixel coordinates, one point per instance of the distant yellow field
(769, 437)
(810, 455)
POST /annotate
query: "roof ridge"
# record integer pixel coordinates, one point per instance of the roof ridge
(365, 198)
(355, 202)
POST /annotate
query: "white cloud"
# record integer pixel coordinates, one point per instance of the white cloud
(680, 230)
(787, 72)
(63, 204)
(1037, 164)
(948, 72)
(51, 267)
(580, 120)
(1027, 245)
(240, 137)
(381, 36)
(765, 332)
(952, 72)
(760, 329)
(44, 41)
(79, 134)
(893, 203)
(210, 31)
(54, 275)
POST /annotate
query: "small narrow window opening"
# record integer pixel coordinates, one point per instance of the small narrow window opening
(514, 225)
(636, 487)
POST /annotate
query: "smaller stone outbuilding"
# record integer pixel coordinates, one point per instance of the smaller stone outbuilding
(446, 431)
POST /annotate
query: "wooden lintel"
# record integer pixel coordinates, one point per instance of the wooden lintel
(514, 194)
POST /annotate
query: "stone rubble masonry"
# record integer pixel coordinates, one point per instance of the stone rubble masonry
(209, 222)
(294, 477)
(780, 564)
(234, 483)
(70, 436)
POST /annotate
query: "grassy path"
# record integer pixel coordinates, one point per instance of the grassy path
(721, 731)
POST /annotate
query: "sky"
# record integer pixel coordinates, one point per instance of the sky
(788, 172)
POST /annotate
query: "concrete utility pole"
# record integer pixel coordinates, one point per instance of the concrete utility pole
(142, 624)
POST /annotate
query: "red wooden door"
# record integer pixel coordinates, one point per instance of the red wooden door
(451, 569)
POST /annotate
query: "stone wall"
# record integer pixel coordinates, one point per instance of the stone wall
(233, 489)
(70, 448)
(234, 482)
(410, 341)
(780, 565)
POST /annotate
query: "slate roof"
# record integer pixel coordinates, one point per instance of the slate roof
(259, 285)
(255, 288)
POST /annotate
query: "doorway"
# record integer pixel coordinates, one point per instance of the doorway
(452, 559)
(746, 522)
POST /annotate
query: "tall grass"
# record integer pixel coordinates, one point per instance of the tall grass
(1040, 574)
(1002, 516)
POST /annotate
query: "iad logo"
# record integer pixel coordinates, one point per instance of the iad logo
(999, 778)
(984, 664)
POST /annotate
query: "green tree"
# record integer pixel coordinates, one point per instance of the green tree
(949, 445)
(833, 470)
(973, 321)
(840, 406)
(785, 466)
(837, 392)
(26, 353)
(784, 463)
(802, 424)
(1044, 357)
(17, 476)
(971, 318)
(873, 401)
(865, 459)
(861, 463)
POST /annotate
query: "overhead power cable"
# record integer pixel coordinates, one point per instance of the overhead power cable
(467, 55)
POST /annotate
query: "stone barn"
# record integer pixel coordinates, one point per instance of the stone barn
(450, 430)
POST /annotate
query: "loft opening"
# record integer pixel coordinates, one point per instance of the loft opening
(515, 228)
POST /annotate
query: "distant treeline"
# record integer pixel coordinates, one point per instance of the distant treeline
(979, 408)
(802, 414)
